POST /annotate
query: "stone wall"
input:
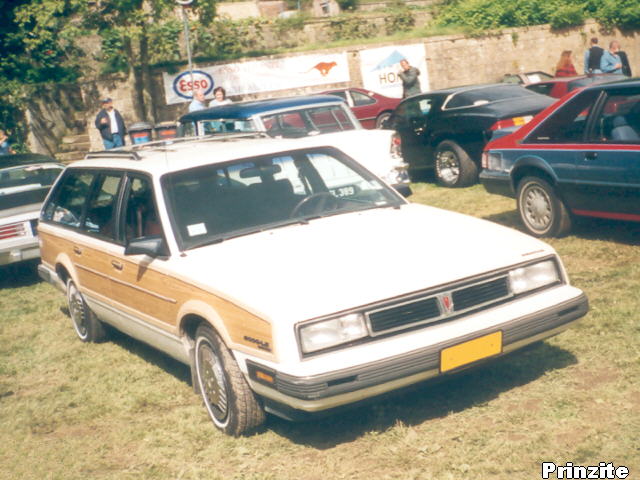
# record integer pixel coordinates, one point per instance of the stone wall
(451, 60)
(51, 113)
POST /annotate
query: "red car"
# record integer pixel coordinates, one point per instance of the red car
(371, 108)
(559, 86)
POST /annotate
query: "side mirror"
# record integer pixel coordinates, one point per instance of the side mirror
(153, 246)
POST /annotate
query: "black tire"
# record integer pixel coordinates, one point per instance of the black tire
(542, 212)
(230, 402)
(383, 119)
(453, 167)
(85, 323)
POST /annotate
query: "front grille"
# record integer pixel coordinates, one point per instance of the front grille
(438, 306)
(479, 294)
(12, 230)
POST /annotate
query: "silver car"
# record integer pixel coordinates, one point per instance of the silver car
(25, 180)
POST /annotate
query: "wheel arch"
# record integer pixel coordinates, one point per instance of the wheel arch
(532, 166)
(196, 312)
(65, 270)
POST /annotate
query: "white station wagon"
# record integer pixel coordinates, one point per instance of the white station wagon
(257, 263)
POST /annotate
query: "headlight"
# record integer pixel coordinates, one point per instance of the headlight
(533, 276)
(328, 333)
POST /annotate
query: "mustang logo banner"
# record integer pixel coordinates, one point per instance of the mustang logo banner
(258, 76)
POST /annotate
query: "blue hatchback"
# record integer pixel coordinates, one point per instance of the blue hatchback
(579, 157)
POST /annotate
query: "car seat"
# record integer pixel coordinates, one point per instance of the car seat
(622, 131)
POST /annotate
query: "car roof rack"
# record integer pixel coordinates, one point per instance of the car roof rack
(110, 154)
(131, 152)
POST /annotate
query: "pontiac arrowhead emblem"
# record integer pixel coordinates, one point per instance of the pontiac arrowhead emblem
(446, 302)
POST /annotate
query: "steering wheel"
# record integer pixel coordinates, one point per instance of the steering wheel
(321, 198)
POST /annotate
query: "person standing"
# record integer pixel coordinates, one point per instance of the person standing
(610, 61)
(111, 125)
(409, 76)
(198, 101)
(626, 68)
(5, 146)
(592, 57)
(219, 97)
(565, 67)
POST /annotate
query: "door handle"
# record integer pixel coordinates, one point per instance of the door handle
(77, 250)
(117, 265)
(590, 155)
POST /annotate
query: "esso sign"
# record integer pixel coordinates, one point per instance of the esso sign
(184, 86)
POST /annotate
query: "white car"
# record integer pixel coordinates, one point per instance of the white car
(243, 259)
(296, 117)
(25, 180)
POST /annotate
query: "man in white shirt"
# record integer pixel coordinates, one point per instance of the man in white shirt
(111, 125)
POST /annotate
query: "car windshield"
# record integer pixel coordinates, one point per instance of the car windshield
(216, 202)
(26, 184)
(482, 96)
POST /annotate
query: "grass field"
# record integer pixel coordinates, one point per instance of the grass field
(120, 410)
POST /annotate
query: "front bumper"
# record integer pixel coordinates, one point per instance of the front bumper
(328, 391)
(498, 183)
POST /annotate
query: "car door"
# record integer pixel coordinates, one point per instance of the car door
(139, 287)
(608, 167)
(365, 108)
(411, 121)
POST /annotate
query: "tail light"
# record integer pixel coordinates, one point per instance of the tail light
(511, 122)
(396, 145)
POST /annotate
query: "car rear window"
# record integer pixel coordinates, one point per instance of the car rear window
(482, 96)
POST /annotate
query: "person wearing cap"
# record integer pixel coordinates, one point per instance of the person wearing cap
(111, 125)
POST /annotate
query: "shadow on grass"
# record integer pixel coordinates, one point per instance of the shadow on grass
(429, 400)
(586, 228)
(18, 275)
(170, 365)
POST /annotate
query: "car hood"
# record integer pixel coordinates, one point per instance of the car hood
(336, 263)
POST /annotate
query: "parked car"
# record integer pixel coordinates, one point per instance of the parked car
(526, 77)
(560, 86)
(581, 157)
(297, 117)
(446, 130)
(25, 180)
(243, 258)
(371, 108)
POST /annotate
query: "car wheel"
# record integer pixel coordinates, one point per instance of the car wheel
(541, 211)
(232, 406)
(453, 167)
(85, 323)
(383, 119)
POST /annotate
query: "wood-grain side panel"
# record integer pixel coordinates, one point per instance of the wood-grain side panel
(148, 291)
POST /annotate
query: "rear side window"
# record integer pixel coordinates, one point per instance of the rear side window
(360, 99)
(69, 199)
(568, 123)
(100, 218)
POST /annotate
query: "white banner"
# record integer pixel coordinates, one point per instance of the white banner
(380, 67)
(258, 76)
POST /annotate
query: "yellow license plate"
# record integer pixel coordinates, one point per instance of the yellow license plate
(468, 352)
